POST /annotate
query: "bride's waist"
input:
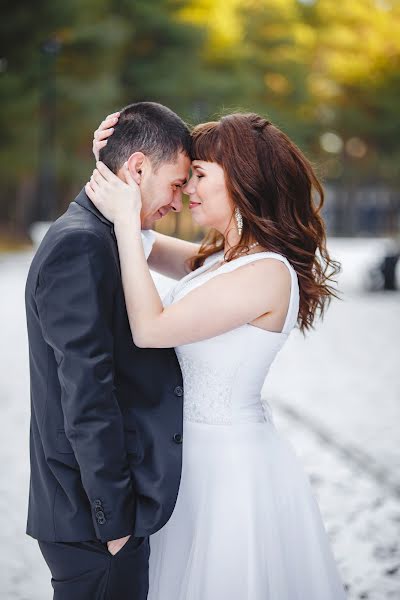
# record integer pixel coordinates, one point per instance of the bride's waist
(226, 413)
(245, 430)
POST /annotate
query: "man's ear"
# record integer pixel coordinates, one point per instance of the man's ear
(135, 165)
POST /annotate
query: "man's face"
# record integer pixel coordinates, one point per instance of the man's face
(162, 188)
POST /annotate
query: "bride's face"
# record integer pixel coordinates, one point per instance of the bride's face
(209, 203)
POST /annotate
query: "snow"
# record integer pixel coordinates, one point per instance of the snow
(335, 396)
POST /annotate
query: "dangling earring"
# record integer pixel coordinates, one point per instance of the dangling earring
(239, 221)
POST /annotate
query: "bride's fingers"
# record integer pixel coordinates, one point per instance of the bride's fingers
(112, 115)
(94, 184)
(90, 192)
(101, 182)
(106, 173)
(108, 122)
(113, 118)
(97, 146)
(96, 177)
(105, 129)
(105, 134)
(129, 179)
(102, 134)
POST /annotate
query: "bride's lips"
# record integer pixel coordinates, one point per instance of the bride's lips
(194, 204)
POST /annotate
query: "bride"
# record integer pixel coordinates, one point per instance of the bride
(246, 525)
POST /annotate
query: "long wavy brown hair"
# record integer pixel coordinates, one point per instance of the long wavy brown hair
(280, 198)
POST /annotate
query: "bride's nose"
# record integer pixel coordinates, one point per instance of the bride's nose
(190, 187)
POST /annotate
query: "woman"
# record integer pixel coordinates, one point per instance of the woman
(246, 524)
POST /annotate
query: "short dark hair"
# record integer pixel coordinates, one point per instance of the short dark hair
(150, 128)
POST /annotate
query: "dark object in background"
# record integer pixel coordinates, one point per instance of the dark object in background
(388, 268)
(385, 274)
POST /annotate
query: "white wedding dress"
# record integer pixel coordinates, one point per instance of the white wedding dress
(246, 525)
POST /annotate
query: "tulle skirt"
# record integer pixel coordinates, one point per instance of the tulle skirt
(246, 525)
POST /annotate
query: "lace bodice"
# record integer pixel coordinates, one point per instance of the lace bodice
(223, 375)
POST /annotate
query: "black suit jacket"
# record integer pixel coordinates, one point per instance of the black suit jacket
(106, 416)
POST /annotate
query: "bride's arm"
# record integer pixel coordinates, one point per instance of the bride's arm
(169, 254)
(225, 302)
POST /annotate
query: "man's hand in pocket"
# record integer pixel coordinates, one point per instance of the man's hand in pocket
(114, 546)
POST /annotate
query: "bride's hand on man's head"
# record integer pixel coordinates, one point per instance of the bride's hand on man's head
(101, 135)
(119, 201)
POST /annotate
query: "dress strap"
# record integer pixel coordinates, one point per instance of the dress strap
(294, 301)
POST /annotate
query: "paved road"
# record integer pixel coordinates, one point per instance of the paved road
(335, 396)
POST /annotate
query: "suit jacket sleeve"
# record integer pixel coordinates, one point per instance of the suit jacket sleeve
(74, 296)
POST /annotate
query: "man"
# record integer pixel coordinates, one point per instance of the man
(106, 422)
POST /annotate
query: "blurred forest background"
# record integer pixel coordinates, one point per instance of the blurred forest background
(326, 72)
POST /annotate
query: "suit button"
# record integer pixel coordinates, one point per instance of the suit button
(99, 515)
(178, 390)
(178, 438)
(101, 521)
(97, 503)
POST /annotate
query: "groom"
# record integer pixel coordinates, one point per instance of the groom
(106, 416)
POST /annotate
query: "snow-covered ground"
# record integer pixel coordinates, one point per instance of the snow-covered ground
(335, 395)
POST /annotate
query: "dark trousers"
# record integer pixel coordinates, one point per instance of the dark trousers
(87, 570)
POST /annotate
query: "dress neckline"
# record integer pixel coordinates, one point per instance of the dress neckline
(210, 270)
(202, 271)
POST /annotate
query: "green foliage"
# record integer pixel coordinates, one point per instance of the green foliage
(311, 67)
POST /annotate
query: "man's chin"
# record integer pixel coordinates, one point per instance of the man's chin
(148, 222)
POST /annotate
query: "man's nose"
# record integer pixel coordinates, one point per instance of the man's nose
(176, 203)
